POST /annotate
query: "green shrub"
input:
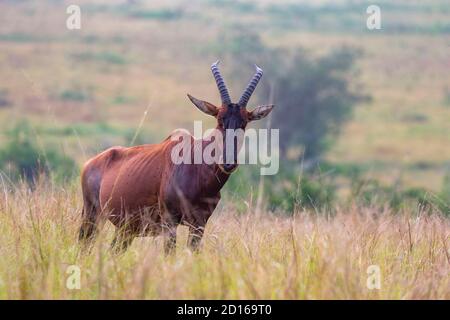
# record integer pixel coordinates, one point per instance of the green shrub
(306, 192)
(21, 158)
(443, 198)
(75, 95)
(372, 193)
(17, 37)
(123, 99)
(235, 5)
(109, 57)
(157, 14)
(289, 189)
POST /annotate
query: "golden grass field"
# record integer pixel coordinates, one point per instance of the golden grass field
(133, 75)
(255, 255)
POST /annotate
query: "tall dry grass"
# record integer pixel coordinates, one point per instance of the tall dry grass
(252, 255)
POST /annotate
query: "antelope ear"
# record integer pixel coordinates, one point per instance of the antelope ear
(204, 106)
(260, 112)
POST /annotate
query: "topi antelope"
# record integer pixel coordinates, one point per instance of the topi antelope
(142, 192)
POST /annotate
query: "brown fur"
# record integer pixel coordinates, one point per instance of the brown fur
(142, 192)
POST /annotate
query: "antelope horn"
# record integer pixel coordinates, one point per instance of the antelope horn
(251, 87)
(220, 83)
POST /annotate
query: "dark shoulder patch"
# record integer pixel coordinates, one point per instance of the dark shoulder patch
(114, 154)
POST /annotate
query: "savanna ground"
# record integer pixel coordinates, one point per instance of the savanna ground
(252, 255)
(123, 79)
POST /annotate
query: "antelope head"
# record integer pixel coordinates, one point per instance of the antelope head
(232, 116)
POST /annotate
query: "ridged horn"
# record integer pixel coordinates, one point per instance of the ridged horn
(220, 83)
(251, 87)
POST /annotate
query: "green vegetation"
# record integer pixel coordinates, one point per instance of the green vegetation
(237, 6)
(24, 158)
(161, 14)
(107, 57)
(75, 95)
(123, 99)
(293, 188)
(21, 37)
